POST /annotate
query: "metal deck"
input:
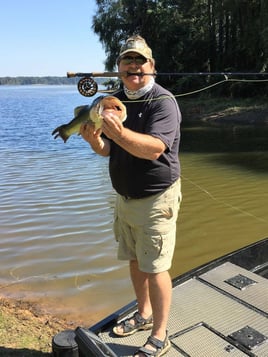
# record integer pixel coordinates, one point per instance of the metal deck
(223, 312)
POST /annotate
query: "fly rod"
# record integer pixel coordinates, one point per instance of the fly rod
(88, 87)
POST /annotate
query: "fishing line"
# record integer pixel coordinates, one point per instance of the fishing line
(76, 281)
(18, 280)
(76, 285)
(198, 90)
(88, 87)
(175, 95)
(228, 205)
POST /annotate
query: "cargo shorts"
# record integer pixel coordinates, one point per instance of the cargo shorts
(145, 228)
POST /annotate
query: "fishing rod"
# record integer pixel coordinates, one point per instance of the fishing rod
(88, 87)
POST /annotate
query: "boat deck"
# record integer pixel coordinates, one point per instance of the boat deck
(218, 310)
(223, 312)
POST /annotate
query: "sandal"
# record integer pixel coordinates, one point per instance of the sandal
(129, 328)
(160, 347)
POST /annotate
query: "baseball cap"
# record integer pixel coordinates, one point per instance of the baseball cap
(136, 44)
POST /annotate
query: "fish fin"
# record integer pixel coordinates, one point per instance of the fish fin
(60, 132)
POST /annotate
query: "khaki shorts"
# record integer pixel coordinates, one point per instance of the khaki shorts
(146, 228)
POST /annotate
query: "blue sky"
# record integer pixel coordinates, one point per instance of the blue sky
(48, 38)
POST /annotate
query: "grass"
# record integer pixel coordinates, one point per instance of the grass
(27, 331)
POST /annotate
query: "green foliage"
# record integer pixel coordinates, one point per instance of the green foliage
(189, 36)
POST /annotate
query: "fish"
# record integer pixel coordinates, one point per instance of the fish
(91, 114)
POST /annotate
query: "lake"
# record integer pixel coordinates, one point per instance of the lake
(56, 241)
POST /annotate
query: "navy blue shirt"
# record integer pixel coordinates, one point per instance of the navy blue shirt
(157, 114)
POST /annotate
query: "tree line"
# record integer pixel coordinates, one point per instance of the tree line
(36, 80)
(191, 36)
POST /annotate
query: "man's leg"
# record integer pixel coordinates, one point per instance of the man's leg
(140, 283)
(160, 288)
(141, 288)
(153, 292)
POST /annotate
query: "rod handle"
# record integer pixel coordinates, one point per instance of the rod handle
(95, 74)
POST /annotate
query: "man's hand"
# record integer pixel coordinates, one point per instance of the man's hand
(112, 126)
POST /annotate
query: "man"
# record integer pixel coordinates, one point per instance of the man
(145, 172)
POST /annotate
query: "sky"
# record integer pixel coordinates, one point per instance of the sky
(48, 38)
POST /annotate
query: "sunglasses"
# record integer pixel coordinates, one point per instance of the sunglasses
(137, 60)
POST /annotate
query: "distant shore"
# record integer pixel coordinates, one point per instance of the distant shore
(21, 80)
(49, 80)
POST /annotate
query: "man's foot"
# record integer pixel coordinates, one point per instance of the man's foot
(133, 324)
(153, 347)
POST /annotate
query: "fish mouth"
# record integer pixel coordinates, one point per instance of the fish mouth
(112, 103)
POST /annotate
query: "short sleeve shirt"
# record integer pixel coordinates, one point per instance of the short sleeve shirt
(157, 114)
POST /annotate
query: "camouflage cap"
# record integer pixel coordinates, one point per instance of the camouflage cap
(136, 44)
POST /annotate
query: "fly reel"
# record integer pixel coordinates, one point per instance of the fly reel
(87, 86)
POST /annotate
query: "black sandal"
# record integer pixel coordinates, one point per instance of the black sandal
(129, 328)
(160, 347)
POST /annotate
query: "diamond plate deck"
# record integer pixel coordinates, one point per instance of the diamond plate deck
(192, 342)
(195, 303)
(255, 294)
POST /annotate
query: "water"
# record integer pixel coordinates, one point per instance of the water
(56, 241)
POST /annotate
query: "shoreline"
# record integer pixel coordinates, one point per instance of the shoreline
(246, 117)
(232, 116)
(26, 327)
(248, 111)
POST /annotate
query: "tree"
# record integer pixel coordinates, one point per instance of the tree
(264, 34)
(188, 36)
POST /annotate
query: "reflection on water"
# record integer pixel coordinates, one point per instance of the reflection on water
(225, 191)
(56, 243)
(229, 138)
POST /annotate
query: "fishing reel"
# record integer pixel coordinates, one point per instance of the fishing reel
(87, 86)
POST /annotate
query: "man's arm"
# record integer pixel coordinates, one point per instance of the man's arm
(143, 146)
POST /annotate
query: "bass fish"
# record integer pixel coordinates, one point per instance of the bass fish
(91, 114)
